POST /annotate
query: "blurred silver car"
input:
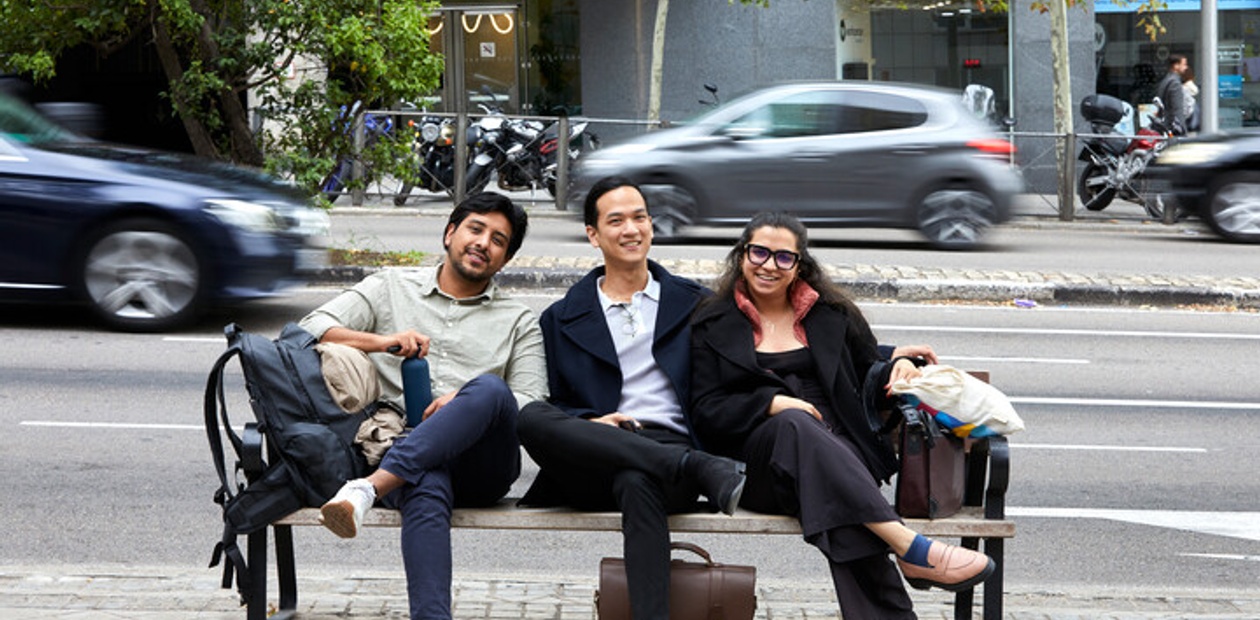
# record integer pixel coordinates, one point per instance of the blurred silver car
(841, 154)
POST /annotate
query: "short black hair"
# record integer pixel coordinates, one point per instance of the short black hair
(590, 213)
(487, 202)
(1175, 59)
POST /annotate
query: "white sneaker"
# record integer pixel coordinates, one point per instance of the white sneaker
(344, 512)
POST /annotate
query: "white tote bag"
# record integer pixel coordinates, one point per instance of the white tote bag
(960, 402)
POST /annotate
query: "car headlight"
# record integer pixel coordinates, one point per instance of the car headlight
(311, 222)
(250, 216)
(1192, 153)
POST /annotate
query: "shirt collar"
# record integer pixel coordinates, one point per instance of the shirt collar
(431, 288)
(651, 291)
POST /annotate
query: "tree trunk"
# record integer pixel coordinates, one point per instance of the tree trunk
(235, 115)
(658, 60)
(1061, 62)
(202, 142)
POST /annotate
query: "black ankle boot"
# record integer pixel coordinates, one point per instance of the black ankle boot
(720, 479)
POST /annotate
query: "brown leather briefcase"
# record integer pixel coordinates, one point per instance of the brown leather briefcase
(697, 590)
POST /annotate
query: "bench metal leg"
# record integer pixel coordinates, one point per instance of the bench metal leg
(257, 562)
(994, 585)
(964, 601)
(286, 571)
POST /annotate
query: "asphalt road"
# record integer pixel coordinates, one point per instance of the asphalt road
(1135, 470)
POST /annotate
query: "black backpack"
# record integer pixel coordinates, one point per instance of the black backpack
(309, 448)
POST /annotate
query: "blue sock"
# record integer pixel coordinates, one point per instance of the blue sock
(918, 552)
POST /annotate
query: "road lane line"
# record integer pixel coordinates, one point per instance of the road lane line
(1052, 446)
(1245, 525)
(1067, 332)
(1222, 556)
(1029, 360)
(1116, 402)
(126, 425)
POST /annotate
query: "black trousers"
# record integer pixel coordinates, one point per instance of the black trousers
(798, 467)
(593, 466)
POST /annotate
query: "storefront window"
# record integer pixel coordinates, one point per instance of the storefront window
(553, 82)
(1130, 64)
(949, 47)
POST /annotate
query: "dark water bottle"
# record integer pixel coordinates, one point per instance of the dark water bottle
(417, 389)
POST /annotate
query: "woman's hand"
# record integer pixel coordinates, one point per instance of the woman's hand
(783, 402)
(916, 350)
(903, 369)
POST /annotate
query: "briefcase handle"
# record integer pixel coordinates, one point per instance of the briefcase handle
(686, 546)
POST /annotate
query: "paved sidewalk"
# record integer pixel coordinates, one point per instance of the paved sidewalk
(183, 593)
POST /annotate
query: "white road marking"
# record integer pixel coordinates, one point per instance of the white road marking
(1067, 332)
(1105, 448)
(1116, 402)
(1222, 556)
(1029, 360)
(1245, 525)
(126, 425)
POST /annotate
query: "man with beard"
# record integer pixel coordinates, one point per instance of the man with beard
(485, 353)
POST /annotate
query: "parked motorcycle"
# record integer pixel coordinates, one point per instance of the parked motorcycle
(1115, 166)
(375, 128)
(433, 147)
(522, 153)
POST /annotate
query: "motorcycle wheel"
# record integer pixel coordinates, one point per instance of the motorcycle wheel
(332, 185)
(1093, 189)
(1232, 208)
(476, 179)
(404, 192)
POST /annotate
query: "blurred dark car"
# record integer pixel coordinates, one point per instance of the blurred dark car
(148, 239)
(843, 154)
(1216, 177)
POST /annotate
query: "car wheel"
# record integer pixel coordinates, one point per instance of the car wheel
(142, 275)
(673, 207)
(1093, 189)
(1233, 207)
(955, 217)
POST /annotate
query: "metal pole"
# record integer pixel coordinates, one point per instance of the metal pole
(356, 162)
(1067, 198)
(461, 155)
(562, 163)
(1209, 75)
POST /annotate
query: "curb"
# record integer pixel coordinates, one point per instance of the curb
(910, 289)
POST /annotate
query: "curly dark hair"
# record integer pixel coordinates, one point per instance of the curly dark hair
(490, 202)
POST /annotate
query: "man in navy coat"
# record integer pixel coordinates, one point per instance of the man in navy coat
(615, 434)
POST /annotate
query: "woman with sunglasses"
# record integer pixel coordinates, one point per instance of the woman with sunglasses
(787, 376)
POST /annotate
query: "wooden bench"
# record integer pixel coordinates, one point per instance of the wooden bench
(983, 518)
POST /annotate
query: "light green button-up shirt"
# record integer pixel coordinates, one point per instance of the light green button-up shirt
(489, 333)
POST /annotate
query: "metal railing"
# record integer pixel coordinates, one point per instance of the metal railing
(462, 122)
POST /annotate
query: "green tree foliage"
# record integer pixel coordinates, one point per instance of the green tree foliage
(301, 60)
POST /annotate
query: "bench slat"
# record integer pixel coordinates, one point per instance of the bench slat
(969, 522)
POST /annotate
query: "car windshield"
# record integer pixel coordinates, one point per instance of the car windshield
(22, 123)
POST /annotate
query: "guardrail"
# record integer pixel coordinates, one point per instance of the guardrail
(1037, 157)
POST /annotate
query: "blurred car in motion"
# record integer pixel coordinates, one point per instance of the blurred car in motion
(148, 239)
(842, 154)
(1216, 177)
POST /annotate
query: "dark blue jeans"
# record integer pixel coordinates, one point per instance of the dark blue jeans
(465, 454)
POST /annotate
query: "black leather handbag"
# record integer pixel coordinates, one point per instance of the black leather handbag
(697, 590)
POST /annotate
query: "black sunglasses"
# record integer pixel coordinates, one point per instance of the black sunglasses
(759, 254)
